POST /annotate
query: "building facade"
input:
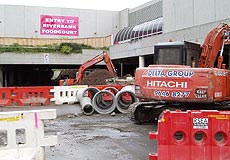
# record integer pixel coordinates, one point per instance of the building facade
(134, 31)
(182, 20)
(28, 21)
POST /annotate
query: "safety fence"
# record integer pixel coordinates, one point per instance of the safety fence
(103, 99)
(65, 94)
(22, 134)
(23, 96)
(192, 135)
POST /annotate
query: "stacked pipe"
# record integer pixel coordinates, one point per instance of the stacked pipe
(104, 101)
(104, 98)
(125, 97)
(107, 100)
(84, 96)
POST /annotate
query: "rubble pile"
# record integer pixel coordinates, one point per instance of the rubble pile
(97, 77)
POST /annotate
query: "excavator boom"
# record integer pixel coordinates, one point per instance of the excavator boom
(213, 42)
(97, 59)
(81, 71)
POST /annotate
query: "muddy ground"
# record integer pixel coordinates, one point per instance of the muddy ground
(99, 137)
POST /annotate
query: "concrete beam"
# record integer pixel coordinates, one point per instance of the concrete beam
(48, 58)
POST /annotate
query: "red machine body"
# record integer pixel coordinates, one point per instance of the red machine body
(187, 83)
(183, 84)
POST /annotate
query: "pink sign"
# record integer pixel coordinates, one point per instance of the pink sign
(58, 25)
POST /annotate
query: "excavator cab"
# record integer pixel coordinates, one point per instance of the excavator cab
(177, 53)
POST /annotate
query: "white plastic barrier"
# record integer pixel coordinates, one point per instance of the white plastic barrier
(66, 94)
(22, 134)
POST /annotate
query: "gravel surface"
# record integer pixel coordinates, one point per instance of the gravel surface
(99, 137)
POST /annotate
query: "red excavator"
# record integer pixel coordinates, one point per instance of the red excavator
(178, 80)
(81, 71)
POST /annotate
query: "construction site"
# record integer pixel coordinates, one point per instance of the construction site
(153, 83)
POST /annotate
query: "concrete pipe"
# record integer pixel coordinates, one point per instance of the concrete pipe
(111, 89)
(87, 92)
(85, 96)
(104, 102)
(124, 98)
(86, 106)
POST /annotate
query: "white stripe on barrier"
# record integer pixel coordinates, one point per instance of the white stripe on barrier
(66, 94)
(22, 134)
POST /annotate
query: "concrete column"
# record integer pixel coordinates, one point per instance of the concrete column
(121, 69)
(141, 61)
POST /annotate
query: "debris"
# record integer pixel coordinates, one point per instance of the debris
(113, 114)
(120, 81)
(77, 114)
(71, 116)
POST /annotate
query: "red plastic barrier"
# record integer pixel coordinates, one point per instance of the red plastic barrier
(126, 97)
(32, 95)
(23, 96)
(5, 96)
(101, 87)
(200, 135)
(107, 97)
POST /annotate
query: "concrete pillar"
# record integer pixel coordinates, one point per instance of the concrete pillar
(141, 61)
(121, 69)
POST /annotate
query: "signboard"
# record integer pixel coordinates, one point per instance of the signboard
(46, 58)
(58, 25)
(200, 123)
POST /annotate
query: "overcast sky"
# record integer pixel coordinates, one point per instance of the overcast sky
(115, 5)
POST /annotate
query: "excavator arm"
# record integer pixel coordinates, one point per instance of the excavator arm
(97, 59)
(213, 42)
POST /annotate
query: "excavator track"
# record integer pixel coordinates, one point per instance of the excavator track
(145, 112)
(149, 112)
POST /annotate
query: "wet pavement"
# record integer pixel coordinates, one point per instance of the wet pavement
(99, 137)
(95, 137)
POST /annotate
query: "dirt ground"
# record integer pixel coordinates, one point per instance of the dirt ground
(99, 137)
(97, 77)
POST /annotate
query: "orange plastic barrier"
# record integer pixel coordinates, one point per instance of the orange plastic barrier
(23, 96)
(5, 96)
(192, 135)
(101, 87)
(33, 95)
(107, 97)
